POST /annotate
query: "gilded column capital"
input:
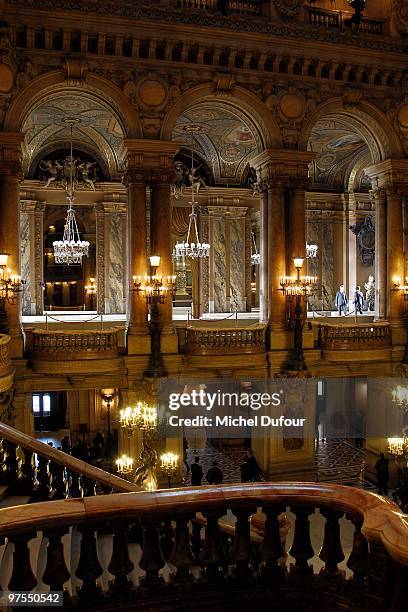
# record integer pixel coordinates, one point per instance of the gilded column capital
(289, 168)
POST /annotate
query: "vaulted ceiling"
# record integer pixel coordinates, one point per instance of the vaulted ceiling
(342, 153)
(97, 132)
(227, 139)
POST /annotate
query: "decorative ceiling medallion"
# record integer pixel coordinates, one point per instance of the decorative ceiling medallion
(291, 105)
(152, 92)
(6, 78)
(403, 116)
(288, 8)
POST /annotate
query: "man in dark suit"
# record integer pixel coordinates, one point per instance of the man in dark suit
(196, 473)
(341, 300)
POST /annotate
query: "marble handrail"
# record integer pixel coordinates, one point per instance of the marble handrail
(383, 522)
(324, 18)
(71, 463)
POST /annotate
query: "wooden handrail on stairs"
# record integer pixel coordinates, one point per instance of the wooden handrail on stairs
(55, 474)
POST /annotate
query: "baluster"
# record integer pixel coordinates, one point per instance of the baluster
(43, 490)
(89, 569)
(56, 572)
(166, 538)
(152, 559)
(196, 538)
(135, 535)
(212, 555)
(89, 486)
(58, 483)
(181, 556)
(27, 472)
(400, 597)
(9, 474)
(75, 488)
(301, 549)
(358, 559)
(331, 552)
(242, 552)
(22, 577)
(271, 549)
(379, 577)
(120, 565)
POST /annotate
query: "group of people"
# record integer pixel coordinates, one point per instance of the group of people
(92, 451)
(359, 301)
(250, 471)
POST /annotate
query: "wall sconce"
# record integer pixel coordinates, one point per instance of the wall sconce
(153, 287)
(10, 284)
(107, 398)
(402, 288)
(90, 291)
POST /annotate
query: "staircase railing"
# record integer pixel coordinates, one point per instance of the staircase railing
(30, 467)
(181, 567)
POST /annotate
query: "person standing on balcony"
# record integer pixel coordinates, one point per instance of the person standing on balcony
(358, 300)
(381, 467)
(214, 474)
(196, 473)
(341, 300)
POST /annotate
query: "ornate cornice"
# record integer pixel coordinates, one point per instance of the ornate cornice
(146, 12)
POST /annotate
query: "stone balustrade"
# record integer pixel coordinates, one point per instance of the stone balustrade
(235, 7)
(185, 565)
(30, 467)
(354, 336)
(227, 340)
(335, 20)
(87, 344)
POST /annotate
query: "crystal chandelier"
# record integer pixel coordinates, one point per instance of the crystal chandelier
(71, 249)
(192, 247)
(141, 417)
(311, 251)
(255, 256)
(400, 397)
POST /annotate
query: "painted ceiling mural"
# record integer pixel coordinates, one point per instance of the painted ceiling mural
(338, 147)
(226, 141)
(97, 132)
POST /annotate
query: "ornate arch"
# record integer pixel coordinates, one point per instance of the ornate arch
(245, 101)
(367, 119)
(56, 82)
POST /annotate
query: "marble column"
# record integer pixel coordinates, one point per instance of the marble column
(137, 314)
(27, 255)
(276, 256)
(10, 175)
(100, 256)
(263, 266)
(395, 251)
(297, 228)
(161, 239)
(390, 178)
(380, 198)
(153, 159)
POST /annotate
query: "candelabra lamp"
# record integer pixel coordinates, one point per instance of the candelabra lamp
(169, 465)
(10, 286)
(297, 290)
(124, 466)
(90, 291)
(142, 418)
(156, 290)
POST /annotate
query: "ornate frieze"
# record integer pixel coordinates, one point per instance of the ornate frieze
(288, 8)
